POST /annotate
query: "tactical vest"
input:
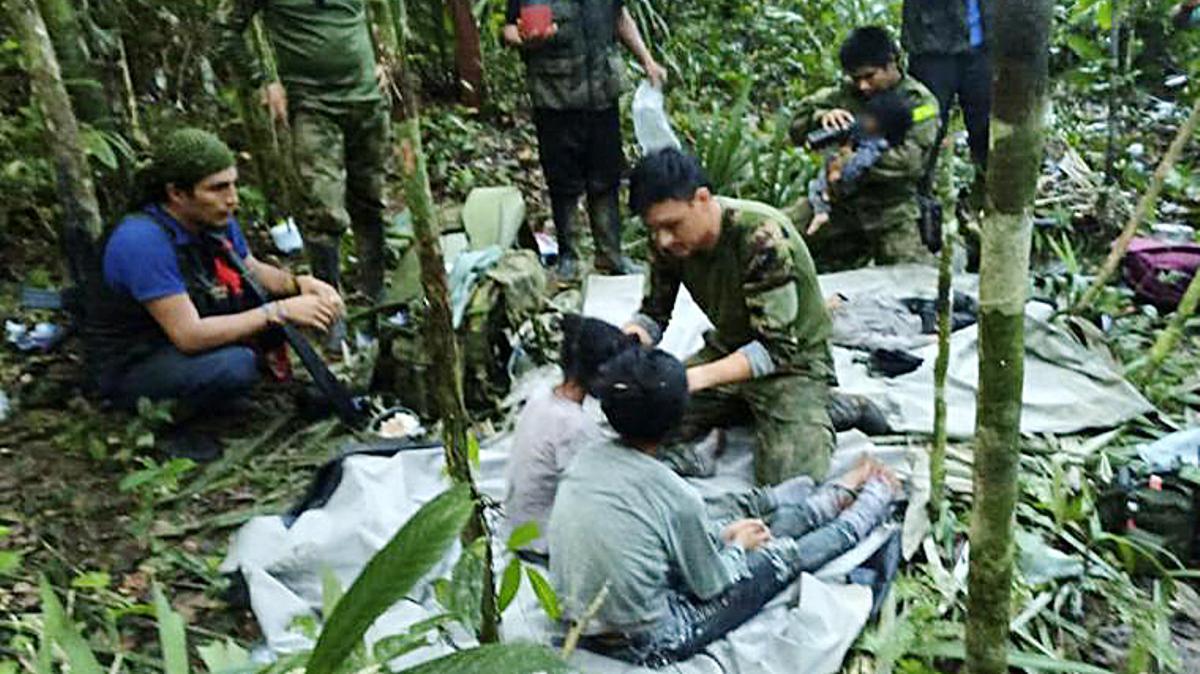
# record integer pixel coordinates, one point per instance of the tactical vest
(579, 68)
(119, 329)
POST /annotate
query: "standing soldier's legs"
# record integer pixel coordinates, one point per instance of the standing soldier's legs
(320, 161)
(560, 150)
(792, 426)
(940, 73)
(975, 95)
(604, 159)
(368, 144)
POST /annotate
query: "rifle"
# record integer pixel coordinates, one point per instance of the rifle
(345, 406)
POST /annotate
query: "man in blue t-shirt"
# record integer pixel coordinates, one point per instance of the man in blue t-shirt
(172, 319)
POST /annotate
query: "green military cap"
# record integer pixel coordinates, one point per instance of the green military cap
(187, 156)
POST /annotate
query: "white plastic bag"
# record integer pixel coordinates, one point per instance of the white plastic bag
(287, 237)
(650, 123)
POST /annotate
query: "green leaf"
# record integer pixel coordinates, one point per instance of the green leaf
(59, 630)
(523, 535)
(97, 146)
(331, 591)
(473, 449)
(391, 574)
(495, 659)
(8, 667)
(464, 593)
(94, 580)
(1104, 15)
(224, 657)
(10, 561)
(509, 584)
(171, 635)
(545, 593)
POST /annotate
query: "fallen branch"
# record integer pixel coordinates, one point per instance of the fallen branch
(576, 631)
(1144, 208)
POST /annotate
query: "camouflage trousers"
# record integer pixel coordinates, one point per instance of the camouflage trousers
(852, 240)
(793, 433)
(342, 161)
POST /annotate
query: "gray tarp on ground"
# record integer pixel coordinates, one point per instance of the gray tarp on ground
(283, 566)
(1068, 388)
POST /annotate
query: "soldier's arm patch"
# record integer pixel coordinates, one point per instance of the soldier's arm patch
(770, 257)
(779, 306)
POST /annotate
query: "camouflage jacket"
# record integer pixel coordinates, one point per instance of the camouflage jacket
(757, 285)
(580, 68)
(324, 51)
(886, 196)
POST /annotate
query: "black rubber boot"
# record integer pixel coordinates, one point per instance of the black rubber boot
(848, 411)
(368, 243)
(325, 260)
(564, 213)
(604, 214)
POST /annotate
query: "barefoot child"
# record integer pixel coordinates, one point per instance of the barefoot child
(624, 521)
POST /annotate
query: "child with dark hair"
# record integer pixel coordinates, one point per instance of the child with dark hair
(553, 422)
(625, 523)
(883, 123)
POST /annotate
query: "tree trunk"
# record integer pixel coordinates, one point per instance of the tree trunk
(945, 308)
(468, 57)
(1144, 209)
(75, 62)
(440, 341)
(1020, 87)
(81, 223)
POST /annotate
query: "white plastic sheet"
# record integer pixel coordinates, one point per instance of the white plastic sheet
(650, 124)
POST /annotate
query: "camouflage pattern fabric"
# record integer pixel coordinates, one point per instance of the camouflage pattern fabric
(879, 221)
(342, 160)
(758, 284)
(324, 51)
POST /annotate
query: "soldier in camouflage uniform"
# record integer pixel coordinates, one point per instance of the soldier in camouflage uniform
(339, 118)
(879, 221)
(575, 76)
(768, 359)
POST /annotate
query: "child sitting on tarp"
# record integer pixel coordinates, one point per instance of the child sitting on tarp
(553, 423)
(624, 523)
(883, 124)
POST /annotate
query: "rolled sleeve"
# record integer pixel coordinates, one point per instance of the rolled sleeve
(761, 363)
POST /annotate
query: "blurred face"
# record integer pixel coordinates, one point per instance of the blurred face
(681, 228)
(210, 203)
(870, 80)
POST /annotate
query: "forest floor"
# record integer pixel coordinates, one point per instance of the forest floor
(87, 503)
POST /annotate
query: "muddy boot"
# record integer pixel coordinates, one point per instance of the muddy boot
(324, 258)
(604, 215)
(368, 243)
(565, 220)
(848, 411)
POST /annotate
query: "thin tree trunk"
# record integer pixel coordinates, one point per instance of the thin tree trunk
(1144, 208)
(1114, 76)
(75, 62)
(81, 213)
(1020, 88)
(1168, 337)
(129, 96)
(468, 57)
(945, 302)
(440, 340)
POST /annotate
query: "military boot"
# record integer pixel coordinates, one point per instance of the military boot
(604, 215)
(848, 410)
(325, 260)
(563, 211)
(369, 244)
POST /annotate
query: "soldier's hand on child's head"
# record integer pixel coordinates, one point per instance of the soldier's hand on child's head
(819, 220)
(838, 118)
